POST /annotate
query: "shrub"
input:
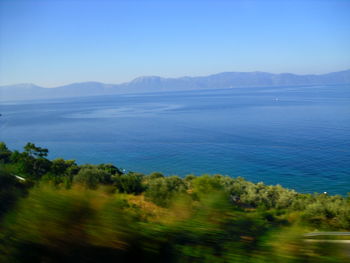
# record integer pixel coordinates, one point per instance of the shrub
(91, 177)
(130, 183)
(162, 190)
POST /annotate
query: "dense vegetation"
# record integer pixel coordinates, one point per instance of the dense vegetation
(58, 211)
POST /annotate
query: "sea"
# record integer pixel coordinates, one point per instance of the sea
(298, 137)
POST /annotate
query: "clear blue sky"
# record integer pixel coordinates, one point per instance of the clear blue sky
(50, 43)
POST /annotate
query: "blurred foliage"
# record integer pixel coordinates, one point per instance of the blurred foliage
(130, 183)
(58, 211)
(10, 190)
(162, 190)
(91, 176)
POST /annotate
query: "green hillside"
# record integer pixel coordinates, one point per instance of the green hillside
(58, 211)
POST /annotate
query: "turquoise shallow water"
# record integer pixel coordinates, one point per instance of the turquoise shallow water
(298, 137)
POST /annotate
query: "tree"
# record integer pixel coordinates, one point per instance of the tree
(32, 162)
(27, 165)
(110, 168)
(34, 151)
(5, 153)
(61, 171)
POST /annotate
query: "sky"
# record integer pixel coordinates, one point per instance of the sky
(56, 42)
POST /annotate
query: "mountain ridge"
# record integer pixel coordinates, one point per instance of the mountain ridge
(143, 84)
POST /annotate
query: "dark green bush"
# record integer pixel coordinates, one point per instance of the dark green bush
(91, 177)
(161, 191)
(130, 183)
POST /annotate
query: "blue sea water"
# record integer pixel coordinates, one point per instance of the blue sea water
(298, 137)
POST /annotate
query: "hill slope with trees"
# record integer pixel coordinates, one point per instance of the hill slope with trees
(58, 211)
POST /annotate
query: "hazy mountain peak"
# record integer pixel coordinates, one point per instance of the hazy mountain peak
(23, 86)
(146, 78)
(85, 83)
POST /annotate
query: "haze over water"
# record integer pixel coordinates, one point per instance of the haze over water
(298, 137)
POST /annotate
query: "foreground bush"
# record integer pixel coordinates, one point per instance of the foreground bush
(64, 212)
(81, 225)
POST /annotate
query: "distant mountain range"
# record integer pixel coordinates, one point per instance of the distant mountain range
(158, 84)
